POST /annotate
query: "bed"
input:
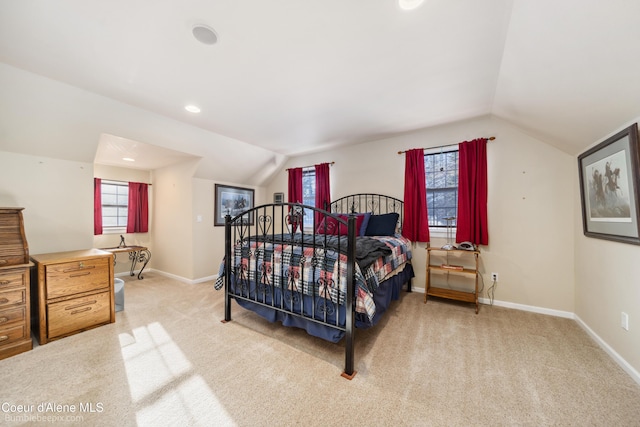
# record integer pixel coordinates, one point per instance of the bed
(325, 271)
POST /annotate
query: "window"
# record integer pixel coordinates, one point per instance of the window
(308, 193)
(441, 172)
(115, 204)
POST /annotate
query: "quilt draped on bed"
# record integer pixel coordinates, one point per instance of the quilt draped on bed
(316, 266)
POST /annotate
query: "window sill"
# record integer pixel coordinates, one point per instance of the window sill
(114, 230)
(441, 232)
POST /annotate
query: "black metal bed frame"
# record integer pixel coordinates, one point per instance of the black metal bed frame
(268, 224)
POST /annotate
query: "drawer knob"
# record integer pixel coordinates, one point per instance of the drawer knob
(4, 319)
(5, 282)
(4, 338)
(3, 300)
(82, 265)
(3, 261)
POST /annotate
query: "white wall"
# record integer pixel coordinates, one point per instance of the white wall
(208, 240)
(530, 204)
(57, 196)
(607, 284)
(173, 213)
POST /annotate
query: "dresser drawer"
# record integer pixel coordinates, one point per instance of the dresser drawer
(78, 314)
(77, 276)
(12, 333)
(9, 316)
(11, 297)
(12, 279)
(13, 247)
(12, 255)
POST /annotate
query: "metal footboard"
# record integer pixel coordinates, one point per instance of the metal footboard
(294, 283)
(276, 260)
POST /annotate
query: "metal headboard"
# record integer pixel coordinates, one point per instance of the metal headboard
(368, 202)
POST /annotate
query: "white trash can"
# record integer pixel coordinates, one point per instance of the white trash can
(118, 285)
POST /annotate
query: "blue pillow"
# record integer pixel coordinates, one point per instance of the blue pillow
(382, 225)
(365, 223)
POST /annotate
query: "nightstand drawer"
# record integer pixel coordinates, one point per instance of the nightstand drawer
(11, 297)
(13, 333)
(78, 276)
(10, 316)
(78, 314)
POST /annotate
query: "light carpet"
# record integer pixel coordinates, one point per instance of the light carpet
(168, 360)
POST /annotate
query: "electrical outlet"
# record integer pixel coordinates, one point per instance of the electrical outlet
(494, 277)
(624, 321)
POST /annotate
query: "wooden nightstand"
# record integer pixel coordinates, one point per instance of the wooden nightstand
(71, 292)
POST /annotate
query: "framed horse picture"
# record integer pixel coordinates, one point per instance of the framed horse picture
(609, 188)
(232, 201)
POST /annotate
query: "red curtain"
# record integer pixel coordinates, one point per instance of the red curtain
(97, 206)
(138, 213)
(323, 191)
(415, 226)
(472, 192)
(295, 185)
(294, 193)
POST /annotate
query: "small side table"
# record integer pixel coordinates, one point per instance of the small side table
(137, 254)
(444, 267)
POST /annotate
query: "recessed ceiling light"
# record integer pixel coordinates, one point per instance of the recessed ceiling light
(192, 109)
(128, 159)
(409, 4)
(204, 34)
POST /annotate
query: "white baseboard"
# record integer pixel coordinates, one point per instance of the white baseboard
(523, 307)
(610, 351)
(633, 373)
(531, 308)
(184, 279)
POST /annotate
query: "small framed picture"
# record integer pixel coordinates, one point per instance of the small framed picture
(232, 201)
(609, 188)
(278, 197)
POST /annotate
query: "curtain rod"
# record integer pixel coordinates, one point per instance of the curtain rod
(491, 138)
(309, 166)
(117, 180)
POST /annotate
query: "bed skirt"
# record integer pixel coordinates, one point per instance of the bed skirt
(388, 291)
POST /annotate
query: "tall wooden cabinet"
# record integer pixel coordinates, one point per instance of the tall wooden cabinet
(72, 292)
(15, 332)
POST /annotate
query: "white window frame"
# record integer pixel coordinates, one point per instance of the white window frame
(113, 229)
(309, 199)
(440, 231)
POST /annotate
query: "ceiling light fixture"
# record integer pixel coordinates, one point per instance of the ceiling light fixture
(204, 34)
(409, 4)
(192, 109)
(128, 159)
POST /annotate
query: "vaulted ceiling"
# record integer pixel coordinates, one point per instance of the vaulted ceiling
(291, 76)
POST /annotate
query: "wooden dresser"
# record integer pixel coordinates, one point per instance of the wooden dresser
(72, 292)
(15, 333)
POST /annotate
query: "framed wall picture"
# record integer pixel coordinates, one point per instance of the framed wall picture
(232, 201)
(609, 188)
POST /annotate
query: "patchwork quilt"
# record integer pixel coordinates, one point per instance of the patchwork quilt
(319, 270)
